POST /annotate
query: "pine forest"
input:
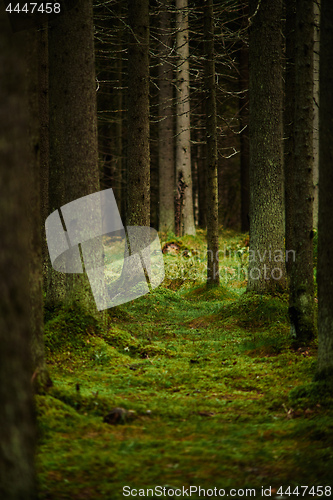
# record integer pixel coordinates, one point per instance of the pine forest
(166, 240)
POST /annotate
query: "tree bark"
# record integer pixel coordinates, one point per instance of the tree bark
(243, 80)
(41, 377)
(17, 422)
(289, 117)
(43, 94)
(73, 124)
(316, 56)
(138, 155)
(301, 297)
(184, 215)
(213, 278)
(325, 229)
(56, 281)
(165, 127)
(266, 259)
(118, 188)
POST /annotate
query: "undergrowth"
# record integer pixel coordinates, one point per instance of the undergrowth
(220, 397)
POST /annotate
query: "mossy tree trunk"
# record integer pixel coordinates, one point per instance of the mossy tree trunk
(325, 225)
(73, 123)
(41, 375)
(266, 259)
(301, 302)
(138, 155)
(213, 277)
(184, 212)
(17, 423)
(165, 127)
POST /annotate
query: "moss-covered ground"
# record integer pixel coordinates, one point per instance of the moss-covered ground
(221, 397)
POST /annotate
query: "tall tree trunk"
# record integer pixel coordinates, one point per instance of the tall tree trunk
(243, 81)
(316, 56)
(301, 302)
(118, 188)
(138, 156)
(213, 278)
(266, 259)
(17, 423)
(202, 180)
(165, 128)
(73, 123)
(325, 229)
(41, 375)
(43, 94)
(289, 138)
(56, 281)
(184, 215)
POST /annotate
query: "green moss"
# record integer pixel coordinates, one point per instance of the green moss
(220, 397)
(69, 326)
(257, 311)
(315, 394)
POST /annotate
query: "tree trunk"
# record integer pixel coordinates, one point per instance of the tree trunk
(43, 94)
(243, 80)
(165, 127)
(184, 214)
(138, 156)
(41, 375)
(213, 278)
(325, 229)
(267, 258)
(17, 423)
(73, 135)
(289, 117)
(316, 45)
(118, 188)
(202, 182)
(56, 281)
(301, 298)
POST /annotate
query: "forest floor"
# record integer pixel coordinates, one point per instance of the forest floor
(221, 397)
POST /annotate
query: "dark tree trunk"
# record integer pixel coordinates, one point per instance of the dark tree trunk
(165, 129)
(301, 303)
(202, 179)
(289, 117)
(118, 168)
(56, 281)
(243, 80)
(43, 94)
(17, 423)
(213, 278)
(73, 123)
(316, 48)
(325, 229)
(267, 261)
(41, 376)
(138, 156)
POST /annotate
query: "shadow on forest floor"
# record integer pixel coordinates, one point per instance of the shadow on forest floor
(221, 399)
